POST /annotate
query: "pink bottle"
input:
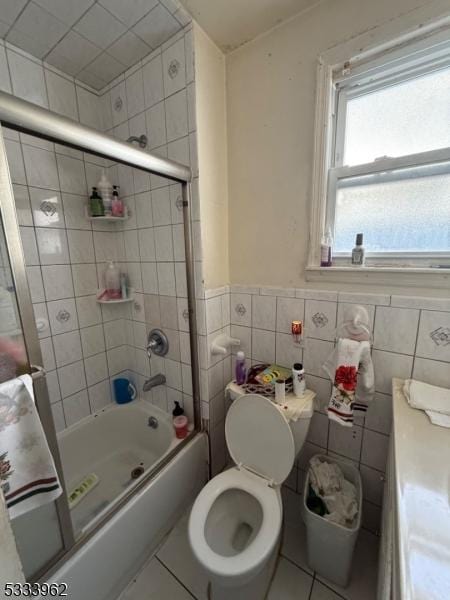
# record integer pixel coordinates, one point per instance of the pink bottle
(112, 281)
(181, 426)
(116, 203)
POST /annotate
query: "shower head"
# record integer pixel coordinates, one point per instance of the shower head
(141, 140)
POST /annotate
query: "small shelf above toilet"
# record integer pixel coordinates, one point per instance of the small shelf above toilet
(234, 391)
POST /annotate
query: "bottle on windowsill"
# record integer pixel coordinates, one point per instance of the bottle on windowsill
(359, 252)
(326, 252)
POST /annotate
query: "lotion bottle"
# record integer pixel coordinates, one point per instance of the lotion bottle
(359, 252)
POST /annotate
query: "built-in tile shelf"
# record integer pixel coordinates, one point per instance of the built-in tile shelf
(110, 218)
(129, 298)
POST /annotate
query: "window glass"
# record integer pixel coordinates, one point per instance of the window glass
(406, 118)
(405, 211)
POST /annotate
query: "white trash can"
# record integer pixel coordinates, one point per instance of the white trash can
(330, 546)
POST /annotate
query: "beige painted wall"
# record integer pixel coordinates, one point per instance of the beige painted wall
(10, 565)
(211, 118)
(270, 106)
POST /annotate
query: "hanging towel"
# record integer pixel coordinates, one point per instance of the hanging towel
(350, 368)
(28, 476)
(435, 401)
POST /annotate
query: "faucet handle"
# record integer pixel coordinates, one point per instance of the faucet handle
(157, 343)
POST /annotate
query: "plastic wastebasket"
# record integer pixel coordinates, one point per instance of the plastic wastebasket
(330, 546)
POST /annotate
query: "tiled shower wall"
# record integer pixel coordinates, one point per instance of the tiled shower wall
(411, 338)
(62, 251)
(84, 345)
(156, 98)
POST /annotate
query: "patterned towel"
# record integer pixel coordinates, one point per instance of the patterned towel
(28, 476)
(350, 369)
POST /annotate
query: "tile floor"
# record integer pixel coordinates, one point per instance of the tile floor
(174, 573)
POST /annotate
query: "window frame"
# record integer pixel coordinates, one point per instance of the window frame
(334, 72)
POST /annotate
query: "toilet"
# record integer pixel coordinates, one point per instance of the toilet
(235, 522)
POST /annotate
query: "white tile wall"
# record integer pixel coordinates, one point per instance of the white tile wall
(97, 41)
(411, 337)
(320, 319)
(83, 346)
(153, 240)
(396, 330)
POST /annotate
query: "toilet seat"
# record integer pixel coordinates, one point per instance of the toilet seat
(247, 561)
(259, 437)
(261, 444)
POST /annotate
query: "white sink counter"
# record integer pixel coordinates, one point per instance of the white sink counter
(421, 453)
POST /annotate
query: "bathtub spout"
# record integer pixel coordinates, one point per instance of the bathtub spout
(158, 379)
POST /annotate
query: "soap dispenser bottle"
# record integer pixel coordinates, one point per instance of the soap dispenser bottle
(117, 203)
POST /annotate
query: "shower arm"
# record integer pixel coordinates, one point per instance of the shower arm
(142, 140)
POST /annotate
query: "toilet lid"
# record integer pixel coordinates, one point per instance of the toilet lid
(259, 437)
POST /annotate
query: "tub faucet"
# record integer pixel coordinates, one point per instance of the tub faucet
(158, 379)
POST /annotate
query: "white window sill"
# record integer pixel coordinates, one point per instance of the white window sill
(395, 276)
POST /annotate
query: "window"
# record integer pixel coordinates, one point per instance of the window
(389, 168)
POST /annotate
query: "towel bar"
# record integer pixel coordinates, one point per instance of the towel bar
(37, 372)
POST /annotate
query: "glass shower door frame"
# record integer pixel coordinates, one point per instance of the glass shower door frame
(17, 261)
(26, 117)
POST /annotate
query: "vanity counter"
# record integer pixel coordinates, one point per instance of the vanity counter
(420, 459)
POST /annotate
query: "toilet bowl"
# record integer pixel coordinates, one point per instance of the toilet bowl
(234, 526)
(235, 522)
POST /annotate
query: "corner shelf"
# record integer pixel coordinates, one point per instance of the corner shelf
(130, 298)
(109, 219)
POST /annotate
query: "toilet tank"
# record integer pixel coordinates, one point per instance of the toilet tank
(299, 430)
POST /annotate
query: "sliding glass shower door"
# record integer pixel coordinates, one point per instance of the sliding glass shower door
(39, 533)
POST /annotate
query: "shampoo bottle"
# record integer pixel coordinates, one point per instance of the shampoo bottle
(96, 204)
(112, 281)
(105, 189)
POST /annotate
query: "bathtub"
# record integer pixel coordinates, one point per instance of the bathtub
(109, 444)
(118, 446)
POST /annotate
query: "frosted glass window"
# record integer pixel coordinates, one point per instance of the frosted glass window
(406, 215)
(406, 118)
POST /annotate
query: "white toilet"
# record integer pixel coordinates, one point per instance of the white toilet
(235, 523)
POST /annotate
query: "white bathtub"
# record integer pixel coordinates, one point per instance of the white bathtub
(106, 563)
(111, 444)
